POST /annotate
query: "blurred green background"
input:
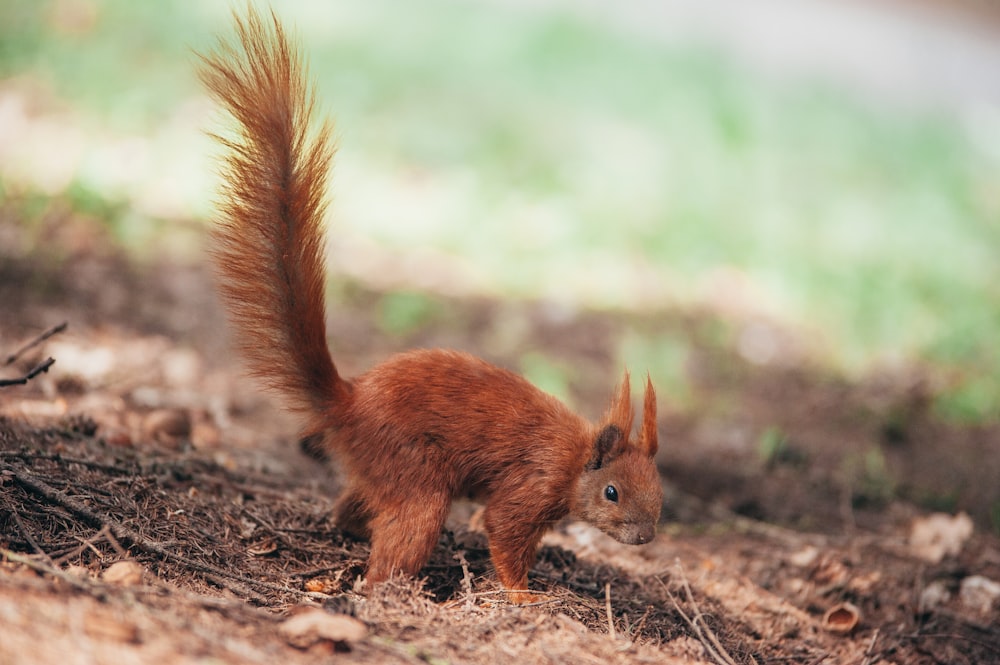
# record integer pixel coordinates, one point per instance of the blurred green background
(535, 153)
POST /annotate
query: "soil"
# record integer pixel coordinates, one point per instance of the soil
(154, 508)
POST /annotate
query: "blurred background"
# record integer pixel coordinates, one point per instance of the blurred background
(820, 178)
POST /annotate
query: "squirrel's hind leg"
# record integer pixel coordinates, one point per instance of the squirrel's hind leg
(352, 515)
(403, 536)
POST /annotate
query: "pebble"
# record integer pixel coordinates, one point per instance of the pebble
(979, 593)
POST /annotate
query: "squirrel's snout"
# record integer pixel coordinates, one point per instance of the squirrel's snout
(635, 533)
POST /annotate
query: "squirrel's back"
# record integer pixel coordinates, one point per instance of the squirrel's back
(474, 418)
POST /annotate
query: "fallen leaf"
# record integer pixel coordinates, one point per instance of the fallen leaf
(311, 625)
(322, 584)
(263, 548)
(123, 573)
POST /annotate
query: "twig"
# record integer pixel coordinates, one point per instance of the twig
(488, 595)
(952, 636)
(270, 528)
(30, 539)
(122, 532)
(696, 622)
(313, 572)
(98, 590)
(43, 367)
(240, 589)
(637, 630)
(41, 567)
(63, 459)
(591, 590)
(699, 616)
(870, 651)
(73, 553)
(35, 342)
(607, 609)
(88, 544)
(466, 577)
(115, 545)
(694, 627)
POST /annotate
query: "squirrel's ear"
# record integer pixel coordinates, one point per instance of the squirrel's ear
(648, 438)
(608, 445)
(613, 437)
(620, 411)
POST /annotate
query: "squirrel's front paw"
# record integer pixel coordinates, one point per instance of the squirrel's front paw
(525, 597)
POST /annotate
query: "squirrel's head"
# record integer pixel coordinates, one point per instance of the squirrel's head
(619, 491)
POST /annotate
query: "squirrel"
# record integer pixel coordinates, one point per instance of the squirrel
(425, 426)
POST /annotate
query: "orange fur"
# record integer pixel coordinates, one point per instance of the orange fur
(425, 426)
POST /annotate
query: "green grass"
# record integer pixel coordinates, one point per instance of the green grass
(555, 155)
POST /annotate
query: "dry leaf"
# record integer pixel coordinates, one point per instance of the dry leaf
(263, 548)
(310, 625)
(123, 573)
(323, 584)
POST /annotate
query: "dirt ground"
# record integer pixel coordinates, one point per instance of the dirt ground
(155, 509)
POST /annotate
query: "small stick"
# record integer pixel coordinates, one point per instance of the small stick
(701, 630)
(43, 367)
(45, 568)
(700, 617)
(642, 624)
(466, 577)
(870, 651)
(35, 342)
(71, 554)
(693, 625)
(31, 541)
(122, 532)
(607, 608)
(115, 545)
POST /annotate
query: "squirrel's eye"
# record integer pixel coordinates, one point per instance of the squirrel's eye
(611, 494)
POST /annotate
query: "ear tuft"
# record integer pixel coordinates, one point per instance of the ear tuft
(648, 437)
(620, 411)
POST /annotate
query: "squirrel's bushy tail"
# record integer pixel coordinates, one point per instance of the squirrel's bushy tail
(268, 241)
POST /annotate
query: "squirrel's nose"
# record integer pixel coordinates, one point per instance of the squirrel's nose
(646, 533)
(637, 534)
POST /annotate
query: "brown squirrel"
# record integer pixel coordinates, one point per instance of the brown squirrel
(425, 426)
